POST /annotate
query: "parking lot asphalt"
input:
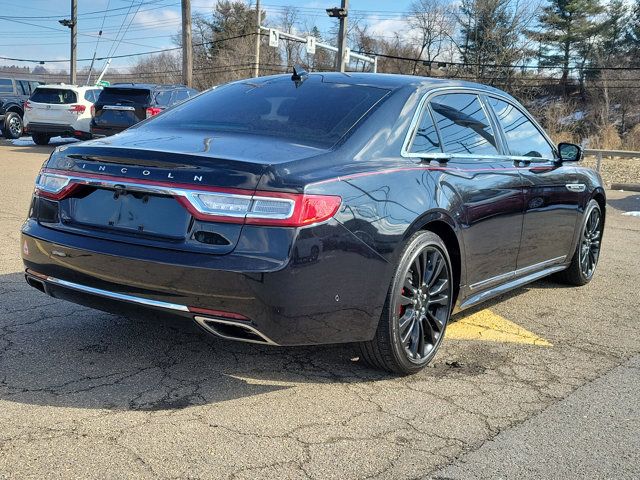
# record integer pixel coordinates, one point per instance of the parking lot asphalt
(547, 376)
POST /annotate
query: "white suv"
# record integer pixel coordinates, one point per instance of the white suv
(60, 110)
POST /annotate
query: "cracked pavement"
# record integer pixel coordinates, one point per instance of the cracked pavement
(88, 394)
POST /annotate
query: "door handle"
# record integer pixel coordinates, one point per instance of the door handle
(576, 187)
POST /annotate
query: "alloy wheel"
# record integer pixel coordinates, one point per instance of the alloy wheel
(15, 126)
(423, 303)
(590, 244)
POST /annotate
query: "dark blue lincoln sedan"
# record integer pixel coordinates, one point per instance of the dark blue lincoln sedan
(318, 208)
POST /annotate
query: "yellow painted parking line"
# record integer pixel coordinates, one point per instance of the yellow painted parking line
(489, 326)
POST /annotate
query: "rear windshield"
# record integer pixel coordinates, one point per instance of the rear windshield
(124, 95)
(315, 112)
(56, 96)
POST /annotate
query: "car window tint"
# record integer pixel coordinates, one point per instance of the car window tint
(34, 85)
(181, 96)
(91, 95)
(163, 99)
(112, 96)
(522, 136)
(55, 96)
(315, 112)
(464, 128)
(426, 138)
(6, 85)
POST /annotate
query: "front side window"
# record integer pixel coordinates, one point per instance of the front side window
(6, 85)
(464, 128)
(522, 136)
(426, 139)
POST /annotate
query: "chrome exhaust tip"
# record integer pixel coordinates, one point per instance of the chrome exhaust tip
(233, 330)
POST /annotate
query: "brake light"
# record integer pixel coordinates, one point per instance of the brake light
(53, 186)
(151, 111)
(210, 204)
(27, 105)
(262, 208)
(77, 109)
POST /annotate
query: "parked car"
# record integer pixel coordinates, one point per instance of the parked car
(14, 91)
(60, 110)
(198, 212)
(122, 105)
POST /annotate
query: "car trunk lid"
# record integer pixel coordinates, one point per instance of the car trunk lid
(121, 107)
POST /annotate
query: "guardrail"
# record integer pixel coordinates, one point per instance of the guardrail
(599, 154)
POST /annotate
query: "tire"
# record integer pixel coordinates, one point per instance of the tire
(12, 127)
(413, 320)
(585, 258)
(41, 138)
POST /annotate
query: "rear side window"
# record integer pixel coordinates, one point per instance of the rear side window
(314, 112)
(55, 96)
(426, 138)
(6, 85)
(522, 136)
(110, 96)
(91, 95)
(464, 128)
(163, 99)
(181, 96)
(33, 86)
(23, 87)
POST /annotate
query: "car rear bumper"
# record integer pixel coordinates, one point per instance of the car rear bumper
(106, 131)
(62, 130)
(329, 299)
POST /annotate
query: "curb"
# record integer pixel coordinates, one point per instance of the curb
(627, 187)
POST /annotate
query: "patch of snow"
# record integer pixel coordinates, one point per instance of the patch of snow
(632, 214)
(28, 142)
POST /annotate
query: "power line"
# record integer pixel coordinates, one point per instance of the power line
(31, 60)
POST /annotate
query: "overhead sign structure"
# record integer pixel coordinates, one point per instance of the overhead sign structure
(311, 45)
(274, 37)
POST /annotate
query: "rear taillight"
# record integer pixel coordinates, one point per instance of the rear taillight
(151, 111)
(262, 208)
(212, 205)
(27, 105)
(53, 186)
(77, 109)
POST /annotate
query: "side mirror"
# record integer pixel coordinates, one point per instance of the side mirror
(570, 152)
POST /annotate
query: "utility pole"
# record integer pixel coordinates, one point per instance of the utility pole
(187, 47)
(256, 64)
(341, 14)
(72, 24)
(74, 41)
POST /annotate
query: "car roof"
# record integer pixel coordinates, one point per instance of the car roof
(391, 81)
(69, 86)
(144, 86)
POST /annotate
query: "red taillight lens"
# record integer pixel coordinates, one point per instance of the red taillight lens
(212, 205)
(27, 105)
(151, 111)
(77, 109)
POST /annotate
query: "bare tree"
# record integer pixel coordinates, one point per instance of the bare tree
(432, 25)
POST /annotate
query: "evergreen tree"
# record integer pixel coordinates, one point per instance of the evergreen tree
(632, 39)
(567, 27)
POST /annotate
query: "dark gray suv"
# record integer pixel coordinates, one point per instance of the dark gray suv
(124, 104)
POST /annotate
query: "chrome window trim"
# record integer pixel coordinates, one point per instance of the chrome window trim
(417, 116)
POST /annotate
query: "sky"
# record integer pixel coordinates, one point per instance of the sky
(26, 33)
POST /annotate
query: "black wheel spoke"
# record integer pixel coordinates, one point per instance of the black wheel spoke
(590, 246)
(439, 300)
(439, 287)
